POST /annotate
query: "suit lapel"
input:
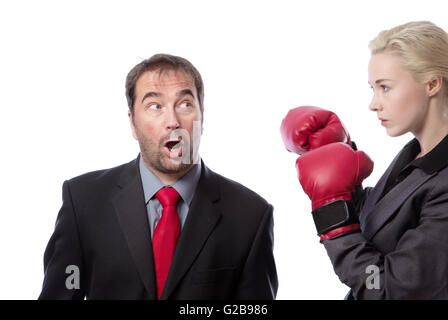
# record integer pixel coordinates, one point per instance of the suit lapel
(130, 208)
(374, 195)
(201, 220)
(386, 207)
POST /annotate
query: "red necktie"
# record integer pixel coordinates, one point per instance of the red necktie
(165, 235)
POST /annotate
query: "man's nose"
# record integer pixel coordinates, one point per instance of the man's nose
(171, 119)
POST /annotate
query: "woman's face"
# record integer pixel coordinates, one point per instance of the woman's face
(400, 102)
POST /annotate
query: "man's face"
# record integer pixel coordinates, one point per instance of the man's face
(165, 104)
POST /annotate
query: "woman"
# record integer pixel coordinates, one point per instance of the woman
(395, 245)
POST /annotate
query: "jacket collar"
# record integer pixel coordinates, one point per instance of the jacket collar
(129, 203)
(202, 218)
(204, 214)
(381, 212)
(376, 210)
(433, 161)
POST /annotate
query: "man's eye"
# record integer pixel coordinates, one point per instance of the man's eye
(186, 104)
(154, 106)
(385, 88)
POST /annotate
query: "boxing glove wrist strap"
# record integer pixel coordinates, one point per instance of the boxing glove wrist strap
(334, 215)
(335, 232)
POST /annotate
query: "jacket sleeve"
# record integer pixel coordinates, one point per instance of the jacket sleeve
(359, 197)
(416, 269)
(259, 275)
(63, 256)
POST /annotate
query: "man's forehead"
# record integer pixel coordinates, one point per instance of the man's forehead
(165, 78)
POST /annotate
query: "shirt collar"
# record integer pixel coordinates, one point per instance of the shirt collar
(431, 162)
(185, 186)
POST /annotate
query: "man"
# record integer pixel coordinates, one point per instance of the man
(163, 226)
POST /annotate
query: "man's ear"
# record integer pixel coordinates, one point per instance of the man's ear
(202, 120)
(131, 122)
(434, 86)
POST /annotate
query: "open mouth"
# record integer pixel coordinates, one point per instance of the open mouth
(174, 147)
(173, 144)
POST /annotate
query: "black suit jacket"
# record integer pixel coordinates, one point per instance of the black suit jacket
(404, 234)
(225, 250)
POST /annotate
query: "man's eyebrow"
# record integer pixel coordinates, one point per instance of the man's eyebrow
(157, 94)
(151, 94)
(185, 92)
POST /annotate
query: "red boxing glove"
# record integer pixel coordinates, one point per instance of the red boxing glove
(307, 128)
(331, 173)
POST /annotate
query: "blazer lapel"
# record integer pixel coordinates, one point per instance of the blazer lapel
(375, 194)
(130, 208)
(201, 220)
(393, 200)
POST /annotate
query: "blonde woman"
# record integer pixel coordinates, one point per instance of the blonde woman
(390, 241)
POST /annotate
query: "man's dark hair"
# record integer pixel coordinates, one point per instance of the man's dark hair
(162, 62)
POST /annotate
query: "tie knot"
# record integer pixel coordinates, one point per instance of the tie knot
(167, 197)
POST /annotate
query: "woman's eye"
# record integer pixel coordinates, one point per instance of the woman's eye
(385, 88)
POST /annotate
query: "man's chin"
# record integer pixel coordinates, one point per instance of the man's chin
(171, 166)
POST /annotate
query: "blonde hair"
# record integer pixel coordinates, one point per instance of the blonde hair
(421, 46)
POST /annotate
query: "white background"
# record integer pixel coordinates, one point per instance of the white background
(63, 108)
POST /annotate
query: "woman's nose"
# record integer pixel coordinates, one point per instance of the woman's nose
(374, 104)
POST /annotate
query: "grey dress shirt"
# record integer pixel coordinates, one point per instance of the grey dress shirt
(185, 186)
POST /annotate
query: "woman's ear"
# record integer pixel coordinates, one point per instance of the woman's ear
(434, 86)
